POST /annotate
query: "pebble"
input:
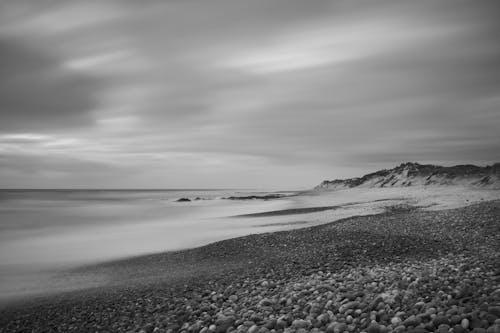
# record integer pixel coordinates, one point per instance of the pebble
(417, 292)
(300, 323)
(396, 321)
(373, 328)
(439, 320)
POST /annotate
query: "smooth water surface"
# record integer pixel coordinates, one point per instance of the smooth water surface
(44, 231)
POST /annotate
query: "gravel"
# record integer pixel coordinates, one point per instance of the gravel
(406, 270)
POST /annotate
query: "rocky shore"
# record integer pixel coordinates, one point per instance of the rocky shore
(405, 270)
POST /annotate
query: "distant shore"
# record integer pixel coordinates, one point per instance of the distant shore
(392, 272)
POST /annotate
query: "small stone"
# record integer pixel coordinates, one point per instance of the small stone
(465, 323)
(443, 328)
(323, 318)
(419, 304)
(459, 329)
(412, 321)
(431, 311)
(349, 305)
(373, 328)
(439, 320)
(400, 329)
(493, 329)
(494, 310)
(418, 330)
(300, 323)
(455, 319)
(253, 329)
(266, 302)
(396, 321)
(223, 323)
(336, 327)
(270, 324)
(478, 330)
(149, 328)
(281, 323)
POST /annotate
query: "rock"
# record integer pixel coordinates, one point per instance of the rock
(270, 324)
(459, 329)
(493, 329)
(253, 329)
(400, 329)
(149, 328)
(373, 328)
(265, 302)
(349, 305)
(323, 318)
(183, 200)
(439, 320)
(494, 310)
(300, 323)
(419, 304)
(412, 321)
(336, 327)
(443, 328)
(478, 330)
(281, 323)
(418, 330)
(396, 321)
(223, 323)
(455, 319)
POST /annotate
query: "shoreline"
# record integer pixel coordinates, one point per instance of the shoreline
(399, 236)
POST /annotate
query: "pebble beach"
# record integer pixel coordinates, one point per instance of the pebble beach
(405, 270)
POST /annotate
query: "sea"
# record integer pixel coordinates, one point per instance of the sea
(43, 232)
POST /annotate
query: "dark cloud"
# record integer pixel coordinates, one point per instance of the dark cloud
(37, 93)
(244, 91)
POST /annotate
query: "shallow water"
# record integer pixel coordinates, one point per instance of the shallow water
(43, 232)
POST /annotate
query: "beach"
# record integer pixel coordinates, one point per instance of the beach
(399, 270)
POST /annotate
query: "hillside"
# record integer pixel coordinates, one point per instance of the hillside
(415, 174)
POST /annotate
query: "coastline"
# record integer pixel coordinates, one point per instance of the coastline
(159, 286)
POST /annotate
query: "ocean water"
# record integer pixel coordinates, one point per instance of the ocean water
(47, 231)
(45, 234)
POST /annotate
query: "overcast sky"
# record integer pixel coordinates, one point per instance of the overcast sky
(256, 93)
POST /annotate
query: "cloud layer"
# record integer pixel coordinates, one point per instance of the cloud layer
(242, 93)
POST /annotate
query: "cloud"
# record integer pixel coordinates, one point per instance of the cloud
(35, 93)
(190, 93)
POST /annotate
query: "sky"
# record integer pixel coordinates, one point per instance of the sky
(257, 94)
